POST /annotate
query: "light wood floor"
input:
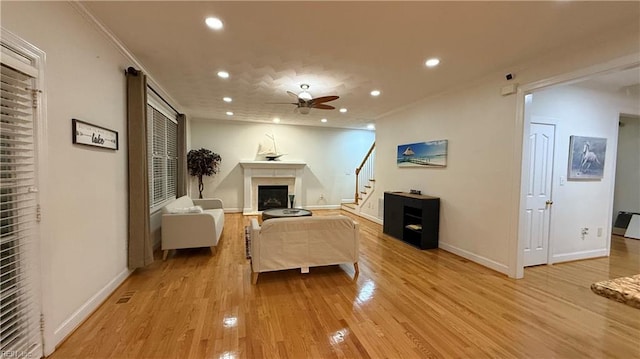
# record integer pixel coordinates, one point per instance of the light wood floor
(406, 303)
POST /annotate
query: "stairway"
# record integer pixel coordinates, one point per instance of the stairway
(365, 183)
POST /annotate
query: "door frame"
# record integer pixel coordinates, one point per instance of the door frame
(522, 130)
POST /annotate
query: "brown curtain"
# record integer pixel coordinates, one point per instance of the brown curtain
(181, 185)
(140, 247)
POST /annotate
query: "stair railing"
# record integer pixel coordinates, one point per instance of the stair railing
(364, 173)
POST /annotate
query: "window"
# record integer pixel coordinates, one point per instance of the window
(162, 132)
(19, 280)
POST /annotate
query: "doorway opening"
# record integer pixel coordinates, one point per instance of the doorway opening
(575, 219)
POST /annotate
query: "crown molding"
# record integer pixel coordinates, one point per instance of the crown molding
(82, 10)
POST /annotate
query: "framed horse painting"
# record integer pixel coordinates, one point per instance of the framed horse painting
(586, 157)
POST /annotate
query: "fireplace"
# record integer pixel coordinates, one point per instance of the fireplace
(271, 173)
(272, 197)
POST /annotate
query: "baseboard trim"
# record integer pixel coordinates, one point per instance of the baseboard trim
(575, 256)
(233, 210)
(371, 218)
(80, 315)
(326, 206)
(498, 267)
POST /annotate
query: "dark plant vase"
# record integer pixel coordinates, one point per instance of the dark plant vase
(200, 186)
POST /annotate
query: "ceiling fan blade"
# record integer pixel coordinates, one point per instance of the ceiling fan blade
(322, 106)
(281, 103)
(324, 99)
(292, 94)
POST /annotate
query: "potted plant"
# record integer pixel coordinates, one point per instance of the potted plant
(202, 162)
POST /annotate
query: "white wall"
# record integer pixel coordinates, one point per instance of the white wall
(474, 206)
(480, 187)
(585, 203)
(331, 154)
(627, 190)
(85, 220)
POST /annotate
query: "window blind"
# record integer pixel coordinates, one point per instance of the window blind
(163, 156)
(19, 295)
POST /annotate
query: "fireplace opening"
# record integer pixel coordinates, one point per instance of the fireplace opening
(272, 197)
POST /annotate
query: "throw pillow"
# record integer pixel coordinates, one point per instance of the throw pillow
(194, 209)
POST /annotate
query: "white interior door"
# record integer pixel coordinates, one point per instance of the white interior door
(538, 177)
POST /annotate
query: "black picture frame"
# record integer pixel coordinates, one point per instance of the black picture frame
(88, 134)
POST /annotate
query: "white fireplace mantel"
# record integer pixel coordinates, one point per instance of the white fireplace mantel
(272, 164)
(270, 172)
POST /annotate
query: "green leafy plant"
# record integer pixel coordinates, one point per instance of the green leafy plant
(203, 162)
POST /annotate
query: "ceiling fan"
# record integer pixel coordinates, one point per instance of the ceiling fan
(305, 102)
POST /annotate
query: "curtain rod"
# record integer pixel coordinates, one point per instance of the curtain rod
(135, 72)
(163, 100)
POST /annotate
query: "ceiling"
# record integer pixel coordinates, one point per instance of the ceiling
(339, 48)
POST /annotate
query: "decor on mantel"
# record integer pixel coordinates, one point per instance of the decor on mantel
(202, 162)
(270, 153)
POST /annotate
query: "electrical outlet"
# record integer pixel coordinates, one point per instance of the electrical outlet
(584, 231)
(599, 231)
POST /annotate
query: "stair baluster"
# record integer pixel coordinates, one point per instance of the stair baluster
(364, 175)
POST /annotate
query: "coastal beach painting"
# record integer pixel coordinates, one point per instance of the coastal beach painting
(423, 154)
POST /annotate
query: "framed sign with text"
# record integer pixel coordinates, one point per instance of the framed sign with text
(91, 135)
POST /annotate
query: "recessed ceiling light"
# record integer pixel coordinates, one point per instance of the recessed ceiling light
(223, 74)
(343, 110)
(432, 62)
(323, 120)
(375, 93)
(229, 113)
(214, 23)
(227, 99)
(371, 126)
(276, 120)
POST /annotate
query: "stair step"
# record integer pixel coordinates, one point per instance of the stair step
(350, 205)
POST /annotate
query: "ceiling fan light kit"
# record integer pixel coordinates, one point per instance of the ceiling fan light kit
(305, 102)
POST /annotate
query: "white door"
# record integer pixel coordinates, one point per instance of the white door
(538, 177)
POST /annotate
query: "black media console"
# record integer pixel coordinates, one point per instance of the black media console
(412, 218)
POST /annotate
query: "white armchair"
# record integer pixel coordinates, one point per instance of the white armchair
(185, 225)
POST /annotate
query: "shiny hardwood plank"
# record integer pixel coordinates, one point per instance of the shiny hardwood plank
(405, 303)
